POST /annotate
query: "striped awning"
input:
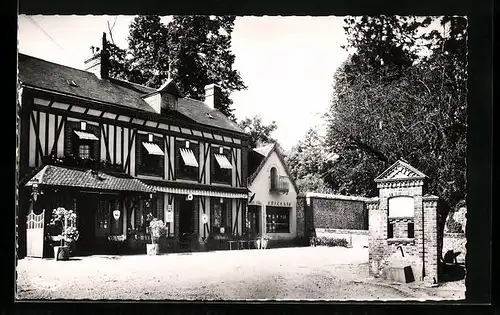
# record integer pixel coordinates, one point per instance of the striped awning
(85, 135)
(153, 148)
(199, 192)
(188, 157)
(223, 162)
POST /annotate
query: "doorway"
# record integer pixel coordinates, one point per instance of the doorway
(254, 219)
(186, 216)
(87, 205)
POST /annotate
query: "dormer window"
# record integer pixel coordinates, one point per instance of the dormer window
(169, 102)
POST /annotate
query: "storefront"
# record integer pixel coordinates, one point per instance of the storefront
(273, 196)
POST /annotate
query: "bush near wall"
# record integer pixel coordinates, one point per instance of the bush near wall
(330, 242)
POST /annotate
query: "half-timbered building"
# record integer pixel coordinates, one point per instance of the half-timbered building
(115, 151)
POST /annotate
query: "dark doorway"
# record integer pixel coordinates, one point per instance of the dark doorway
(186, 216)
(86, 208)
(253, 218)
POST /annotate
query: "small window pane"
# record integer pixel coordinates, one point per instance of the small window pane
(411, 230)
(390, 230)
(84, 151)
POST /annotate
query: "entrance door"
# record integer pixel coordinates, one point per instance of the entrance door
(86, 208)
(186, 216)
(253, 218)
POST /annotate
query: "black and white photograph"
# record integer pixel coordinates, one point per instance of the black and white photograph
(242, 158)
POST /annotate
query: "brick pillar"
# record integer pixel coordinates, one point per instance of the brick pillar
(300, 213)
(430, 238)
(418, 229)
(375, 221)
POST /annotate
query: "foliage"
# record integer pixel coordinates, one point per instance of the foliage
(331, 242)
(66, 221)
(76, 161)
(307, 162)
(157, 230)
(260, 134)
(194, 50)
(400, 96)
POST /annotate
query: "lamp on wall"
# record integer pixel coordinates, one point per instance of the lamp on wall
(83, 125)
(150, 137)
(187, 144)
(221, 200)
(221, 150)
(35, 189)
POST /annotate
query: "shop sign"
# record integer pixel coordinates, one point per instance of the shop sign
(204, 218)
(279, 203)
(169, 208)
(116, 214)
(169, 216)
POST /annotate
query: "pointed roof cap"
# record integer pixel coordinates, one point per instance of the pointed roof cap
(400, 170)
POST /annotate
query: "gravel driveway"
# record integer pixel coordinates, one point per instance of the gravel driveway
(318, 273)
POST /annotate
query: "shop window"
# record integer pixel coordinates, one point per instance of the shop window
(186, 162)
(277, 220)
(220, 215)
(154, 206)
(150, 156)
(220, 165)
(103, 215)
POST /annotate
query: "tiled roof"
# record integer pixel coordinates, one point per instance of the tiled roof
(55, 77)
(51, 175)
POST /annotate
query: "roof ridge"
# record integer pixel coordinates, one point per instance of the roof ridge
(51, 62)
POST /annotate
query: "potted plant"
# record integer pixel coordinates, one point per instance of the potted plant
(264, 239)
(66, 221)
(157, 230)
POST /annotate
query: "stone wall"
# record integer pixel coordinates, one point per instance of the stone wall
(301, 220)
(355, 238)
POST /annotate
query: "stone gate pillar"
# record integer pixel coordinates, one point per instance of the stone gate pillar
(403, 225)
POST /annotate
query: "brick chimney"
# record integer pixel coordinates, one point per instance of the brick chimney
(98, 63)
(212, 95)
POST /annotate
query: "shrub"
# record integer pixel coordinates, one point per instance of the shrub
(331, 242)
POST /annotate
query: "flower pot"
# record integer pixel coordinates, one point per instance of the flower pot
(61, 252)
(152, 249)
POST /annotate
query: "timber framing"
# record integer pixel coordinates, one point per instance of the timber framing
(54, 96)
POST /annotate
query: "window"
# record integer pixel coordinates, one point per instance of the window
(103, 215)
(150, 156)
(390, 230)
(83, 141)
(411, 230)
(84, 151)
(274, 178)
(220, 165)
(186, 163)
(277, 220)
(153, 206)
(220, 215)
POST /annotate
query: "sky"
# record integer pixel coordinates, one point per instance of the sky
(287, 63)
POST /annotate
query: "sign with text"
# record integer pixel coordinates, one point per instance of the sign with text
(204, 217)
(116, 214)
(169, 216)
(279, 203)
(169, 208)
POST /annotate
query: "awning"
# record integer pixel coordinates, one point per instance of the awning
(82, 135)
(51, 175)
(188, 157)
(223, 162)
(198, 192)
(153, 148)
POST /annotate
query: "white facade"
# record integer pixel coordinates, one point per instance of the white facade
(265, 200)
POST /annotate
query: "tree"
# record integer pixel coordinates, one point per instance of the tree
(260, 134)
(412, 111)
(307, 162)
(194, 50)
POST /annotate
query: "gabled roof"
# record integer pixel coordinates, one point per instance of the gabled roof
(258, 158)
(400, 170)
(54, 77)
(168, 86)
(51, 175)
